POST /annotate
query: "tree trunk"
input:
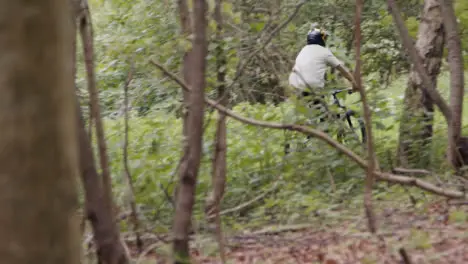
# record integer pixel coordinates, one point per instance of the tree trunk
(186, 27)
(86, 32)
(191, 162)
(417, 117)
(455, 59)
(106, 233)
(219, 157)
(415, 58)
(97, 204)
(38, 157)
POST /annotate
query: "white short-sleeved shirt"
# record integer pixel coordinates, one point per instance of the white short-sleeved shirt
(311, 64)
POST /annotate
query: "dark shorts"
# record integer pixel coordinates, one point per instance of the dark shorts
(312, 100)
(317, 102)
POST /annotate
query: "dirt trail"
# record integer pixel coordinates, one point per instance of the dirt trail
(434, 235)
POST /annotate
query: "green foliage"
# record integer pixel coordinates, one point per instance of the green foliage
(420, 239)
(458, 216)
(255, 161)
(132, 32)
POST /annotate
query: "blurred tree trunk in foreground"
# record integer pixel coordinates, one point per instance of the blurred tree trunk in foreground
(38, 157)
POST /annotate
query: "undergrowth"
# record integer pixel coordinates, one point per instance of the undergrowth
(315, 178)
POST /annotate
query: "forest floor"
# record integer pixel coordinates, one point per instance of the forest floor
(432, 233)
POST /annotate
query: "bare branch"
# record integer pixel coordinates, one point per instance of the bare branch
(411, 171)
(248, 203)
(382, 176)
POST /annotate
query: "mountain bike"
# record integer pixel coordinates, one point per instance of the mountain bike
(349, 116)
(352, 119)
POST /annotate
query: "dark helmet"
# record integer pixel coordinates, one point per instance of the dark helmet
(316, 37)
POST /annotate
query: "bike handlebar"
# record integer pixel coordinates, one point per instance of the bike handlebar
(335, 92)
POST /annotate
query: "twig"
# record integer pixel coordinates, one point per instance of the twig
(126, 249)
(404, 255)
(142, 255)
(458, 203)
(383, 176)
(134, 215)
(411, 171)
(165, 189)
(246, 204)
(332, 180)
(282, 229)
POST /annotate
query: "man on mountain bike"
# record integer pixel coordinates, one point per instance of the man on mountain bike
(308, 73)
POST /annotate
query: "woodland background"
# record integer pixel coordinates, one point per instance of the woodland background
(226, 191)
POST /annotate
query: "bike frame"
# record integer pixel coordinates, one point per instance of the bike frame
(349, 113)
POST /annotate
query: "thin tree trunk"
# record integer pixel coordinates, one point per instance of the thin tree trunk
(373, 164)
(86, 32)
(38, 157)
(189, 172)
(417, 117)
(455, 58)
(219, 157)
(186, 27)
(106, 233)
(110, 249)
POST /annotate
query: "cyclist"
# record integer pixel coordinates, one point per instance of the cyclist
(308, 73)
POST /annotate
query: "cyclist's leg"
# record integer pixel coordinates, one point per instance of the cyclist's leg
(317, 104)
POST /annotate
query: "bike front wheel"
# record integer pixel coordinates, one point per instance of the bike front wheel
(355, 127)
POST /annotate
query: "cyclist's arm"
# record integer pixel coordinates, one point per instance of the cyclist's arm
(348, 75)
(335, 63)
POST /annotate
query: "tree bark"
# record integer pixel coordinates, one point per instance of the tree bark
(106, 233)
(417, 117)
(455, 59)
(186, 28)
(372, 163)
(219, 156)
(417, 63)
(86, 32)
(38, 157)
(192, 158)
(97, 205)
